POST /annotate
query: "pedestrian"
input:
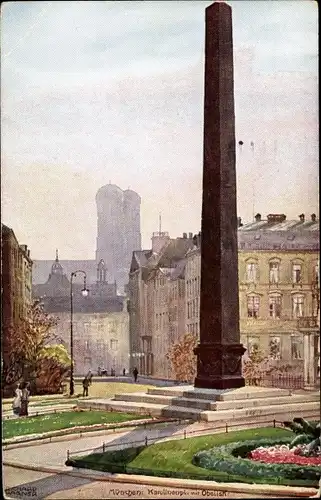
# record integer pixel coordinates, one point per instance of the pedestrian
(85, 384)
(124, 372)
(135, 373)
(16, 405)
(89, 376)
(25, 393)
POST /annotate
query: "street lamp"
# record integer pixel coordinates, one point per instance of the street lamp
(84, 293)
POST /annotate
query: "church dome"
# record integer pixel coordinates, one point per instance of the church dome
(56, 267)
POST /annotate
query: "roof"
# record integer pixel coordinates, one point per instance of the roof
(285, 235)
(84, 304)
(139, 259)
(42, 269)
(174, 251)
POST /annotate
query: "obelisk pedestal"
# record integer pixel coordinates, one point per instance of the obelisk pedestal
(219, 353)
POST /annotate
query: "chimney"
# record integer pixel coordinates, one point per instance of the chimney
(313, 217)
(302, 217)
(190, 235)
(258, 218)
(276, 218)
(239, 222)
(185, 236)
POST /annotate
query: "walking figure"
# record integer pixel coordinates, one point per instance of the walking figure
(16, 405)
(85, 384)
(135, 373)
(89, 376)
(124, 372)
(25, 393)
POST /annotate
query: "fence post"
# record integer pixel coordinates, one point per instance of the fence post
(274, 422)
(146, 441)
(103, 447)
(68, 454)
(185, 434)
(226, 427)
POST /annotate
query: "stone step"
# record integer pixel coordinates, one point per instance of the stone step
(252, 403)
(268, 411)
(202, 404)
(142, 397)
(244, 415)
(241, 393)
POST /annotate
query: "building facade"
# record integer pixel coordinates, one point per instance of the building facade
(156, 302)
(16, 284)
(100, 320)
(278, 288)
(278, 294)
(100, 340)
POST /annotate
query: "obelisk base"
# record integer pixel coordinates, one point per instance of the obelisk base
(219, 366)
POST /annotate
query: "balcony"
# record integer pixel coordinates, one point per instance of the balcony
(307, 323)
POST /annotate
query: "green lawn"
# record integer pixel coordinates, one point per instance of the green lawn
(174, 458)
(53, 422)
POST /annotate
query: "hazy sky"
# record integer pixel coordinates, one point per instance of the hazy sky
(94, 92)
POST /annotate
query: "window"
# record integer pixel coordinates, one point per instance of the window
(114, 344)
(252, 343)
(316, 274)
(297, 306)
(296, 347)
(275, 347)
(275, 306)
(296, 273)
(251, 272)
(253, 306)
(86, 328)
(274, 272)
(87, 345)
(156, 321)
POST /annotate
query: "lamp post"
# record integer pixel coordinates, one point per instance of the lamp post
(84, 293)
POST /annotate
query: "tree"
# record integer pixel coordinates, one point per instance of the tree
(52, 368)
(26, 346)
(255, 366)
(183, 359)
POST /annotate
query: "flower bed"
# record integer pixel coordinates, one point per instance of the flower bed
(283, 454)
(233, 458)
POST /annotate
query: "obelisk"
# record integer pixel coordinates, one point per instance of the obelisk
(219, 353)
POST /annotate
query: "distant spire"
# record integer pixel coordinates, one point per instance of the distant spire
(160, 222)
(57, 255)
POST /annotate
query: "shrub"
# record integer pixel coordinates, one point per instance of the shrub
(308, 433)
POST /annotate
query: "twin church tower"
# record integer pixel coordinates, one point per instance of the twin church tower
(118, 229)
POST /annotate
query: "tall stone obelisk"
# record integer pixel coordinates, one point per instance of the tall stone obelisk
(219, 354)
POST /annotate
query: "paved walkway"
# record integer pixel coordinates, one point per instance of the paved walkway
(43, 485)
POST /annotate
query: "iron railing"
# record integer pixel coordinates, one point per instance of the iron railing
(280, 381)
(148, 440)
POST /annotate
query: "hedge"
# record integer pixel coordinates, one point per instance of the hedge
(231, 458)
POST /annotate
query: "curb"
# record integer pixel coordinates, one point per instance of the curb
(259, 489)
